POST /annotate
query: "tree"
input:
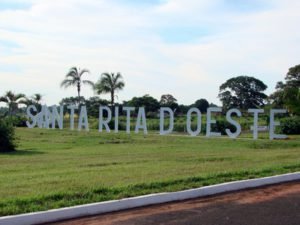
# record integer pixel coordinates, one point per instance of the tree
(13, 100)
(293, 77)
(288, 94)
(182, 109)
(7, 136)
(277, 98)
(34, 100)
(110, 83)
(3, 112)
(147, 101)
(74, 78)
(72, 100)
(168, 100)
(92, 105)
(202, 104)
(212, 105)
(242, 92)
(37, 98)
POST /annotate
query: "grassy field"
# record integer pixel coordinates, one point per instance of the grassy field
(54, 168)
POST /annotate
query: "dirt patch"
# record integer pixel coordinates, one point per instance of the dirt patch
(271, 205)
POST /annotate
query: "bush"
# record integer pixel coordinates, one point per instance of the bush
(7, 136)
(219, 126)
(17, 121)
(290, 125)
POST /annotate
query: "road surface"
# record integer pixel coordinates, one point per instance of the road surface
(271, 205)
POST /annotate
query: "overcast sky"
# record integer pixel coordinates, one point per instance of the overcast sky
(186, 48)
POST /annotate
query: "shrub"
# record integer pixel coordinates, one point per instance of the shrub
(222, 125)
(17, 121)
(219, 126)
(290, 125)
(7, 136)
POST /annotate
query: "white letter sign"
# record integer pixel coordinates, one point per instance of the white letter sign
(273, 124)
(234, 123)
(189, 122)
(162, 120)
(102, 121)
(209, 121)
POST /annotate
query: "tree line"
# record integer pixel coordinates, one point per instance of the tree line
(242, 92)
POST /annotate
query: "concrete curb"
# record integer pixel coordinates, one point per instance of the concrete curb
(129, 203)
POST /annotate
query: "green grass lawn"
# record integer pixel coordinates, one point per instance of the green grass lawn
(54, 168)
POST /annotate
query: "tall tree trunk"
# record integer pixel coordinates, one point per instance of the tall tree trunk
(78, 90)
(112, 97)
(112, 102)
(10, 110)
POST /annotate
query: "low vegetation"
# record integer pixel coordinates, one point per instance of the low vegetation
(7, 136)
(290, 125)
(58, 168)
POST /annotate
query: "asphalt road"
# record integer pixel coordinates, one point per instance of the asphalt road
(271, 205)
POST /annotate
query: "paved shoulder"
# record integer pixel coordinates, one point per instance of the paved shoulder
(272, 205)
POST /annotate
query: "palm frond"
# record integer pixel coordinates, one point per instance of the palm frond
(107, 78)
(102, 87)
(9, 95)
(88, 82)
(67, 83)
(81, 72)
(24, 101)
(109, 82)
(72, 73)
(120, 85)
(105, 74)
(19, 96)
(3, 99)
(118, 77)
(73, 70)
(37, 97)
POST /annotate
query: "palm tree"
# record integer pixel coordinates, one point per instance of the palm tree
(110, 83)
(73, 78)
(37, 98)
(13, 100)
(34, 100)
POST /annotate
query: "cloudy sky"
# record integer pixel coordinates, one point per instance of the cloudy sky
(186, 48)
